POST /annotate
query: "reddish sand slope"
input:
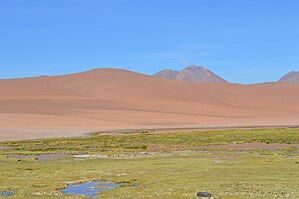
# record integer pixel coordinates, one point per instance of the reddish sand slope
(117, 99)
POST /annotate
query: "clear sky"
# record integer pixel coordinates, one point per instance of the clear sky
(244, 41)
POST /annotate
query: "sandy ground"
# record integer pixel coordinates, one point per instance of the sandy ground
(25, 134)
(110, 99)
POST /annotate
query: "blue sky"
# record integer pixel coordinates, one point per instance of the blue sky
(244, 41)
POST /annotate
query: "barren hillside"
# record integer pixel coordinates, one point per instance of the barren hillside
(118, 99)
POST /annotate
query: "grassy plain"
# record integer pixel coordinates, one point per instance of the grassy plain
(177, 168)
(143, 140)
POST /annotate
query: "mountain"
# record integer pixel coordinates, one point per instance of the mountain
(292, 77)
(103, 99)
(191, 73)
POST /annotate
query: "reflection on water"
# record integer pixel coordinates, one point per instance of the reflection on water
(8, 193)
(89, 189)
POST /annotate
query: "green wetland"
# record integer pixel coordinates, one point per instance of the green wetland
(156, 165)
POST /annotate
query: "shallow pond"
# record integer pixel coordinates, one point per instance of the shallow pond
(8, 193)
(89, 189)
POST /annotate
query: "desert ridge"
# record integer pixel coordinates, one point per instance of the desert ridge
(103, 99)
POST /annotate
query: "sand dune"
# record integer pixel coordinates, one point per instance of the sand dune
(104, 99)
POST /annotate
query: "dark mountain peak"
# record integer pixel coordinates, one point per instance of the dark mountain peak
(191, 73)
(292, 77)
(194, 67)
(168, 74)
(168, 70)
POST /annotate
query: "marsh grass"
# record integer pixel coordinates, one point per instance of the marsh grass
(226, 173)
(235, 176)
(96, 143)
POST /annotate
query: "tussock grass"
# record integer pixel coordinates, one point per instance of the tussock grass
(97, 143)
